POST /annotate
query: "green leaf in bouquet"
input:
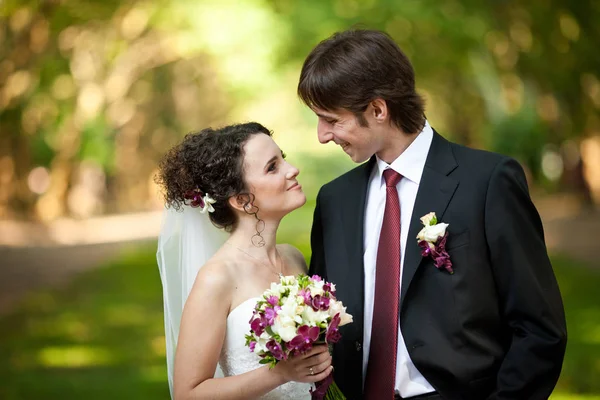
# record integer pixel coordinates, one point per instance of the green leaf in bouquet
(303, 281)
(269, 330)
(249, 338)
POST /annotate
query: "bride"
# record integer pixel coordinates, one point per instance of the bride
(238, 178)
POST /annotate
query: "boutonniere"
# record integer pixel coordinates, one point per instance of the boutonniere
(432, 241)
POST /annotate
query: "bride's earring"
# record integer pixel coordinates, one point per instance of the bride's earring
(257, 239)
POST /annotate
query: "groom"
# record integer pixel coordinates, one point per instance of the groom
(492, 329)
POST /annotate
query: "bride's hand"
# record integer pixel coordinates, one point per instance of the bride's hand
(314, 366)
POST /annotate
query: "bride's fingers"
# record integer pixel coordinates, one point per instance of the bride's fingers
(314, 360)
(320, 376)
(322, 366)
(316, 350)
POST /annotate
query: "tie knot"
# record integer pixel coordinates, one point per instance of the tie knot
(391, 177)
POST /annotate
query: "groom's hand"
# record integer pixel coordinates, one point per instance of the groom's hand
(313, 366)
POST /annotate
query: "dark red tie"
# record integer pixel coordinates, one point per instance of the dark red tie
(381, 369)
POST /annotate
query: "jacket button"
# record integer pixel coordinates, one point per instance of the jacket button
(358, 346)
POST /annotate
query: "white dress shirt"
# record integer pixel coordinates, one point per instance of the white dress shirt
(410, 164)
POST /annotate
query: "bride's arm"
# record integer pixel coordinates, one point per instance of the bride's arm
(200, 340)
(201, 337)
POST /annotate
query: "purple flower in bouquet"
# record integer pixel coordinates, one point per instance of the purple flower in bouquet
(305, 294)
(271, 314)
(327, 288)
(316, 278)
(273, 300)
(304, 340)
(321, 387)
(333, 333)
(259, 324)
(252, 345)
(320, 303)
(276, 350)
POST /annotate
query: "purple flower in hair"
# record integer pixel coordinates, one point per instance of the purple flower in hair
(196, 198)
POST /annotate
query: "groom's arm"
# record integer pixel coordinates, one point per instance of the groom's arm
(317, 258)
(528, 293)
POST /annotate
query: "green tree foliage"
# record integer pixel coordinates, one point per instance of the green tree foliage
(94, 92)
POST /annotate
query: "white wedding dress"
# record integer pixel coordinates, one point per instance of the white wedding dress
(236, 358)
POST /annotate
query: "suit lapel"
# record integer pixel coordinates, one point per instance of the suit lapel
(435, 191)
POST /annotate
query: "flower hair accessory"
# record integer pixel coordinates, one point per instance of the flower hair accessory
(196, 198)
(432, 241)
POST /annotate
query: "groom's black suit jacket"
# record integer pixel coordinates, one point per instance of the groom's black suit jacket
(495, 329)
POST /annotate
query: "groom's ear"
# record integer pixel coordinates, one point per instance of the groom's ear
(379, 110)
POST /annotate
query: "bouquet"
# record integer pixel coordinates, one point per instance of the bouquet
(293, 315)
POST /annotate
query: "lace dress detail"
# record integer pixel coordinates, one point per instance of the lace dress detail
(237, 359)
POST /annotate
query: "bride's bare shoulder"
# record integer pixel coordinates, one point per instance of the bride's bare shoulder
(215, 278)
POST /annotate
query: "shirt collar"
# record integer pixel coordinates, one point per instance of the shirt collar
(411, 162)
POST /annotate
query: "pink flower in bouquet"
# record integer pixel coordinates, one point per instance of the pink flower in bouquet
(271, 314)
(305, 294)
(273, 300)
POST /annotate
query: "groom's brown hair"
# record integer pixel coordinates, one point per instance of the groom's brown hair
(354, 67)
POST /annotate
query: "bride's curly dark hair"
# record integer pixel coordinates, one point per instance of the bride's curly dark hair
(210, 160)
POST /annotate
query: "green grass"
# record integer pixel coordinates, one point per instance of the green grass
(101, 337)
(580, 290)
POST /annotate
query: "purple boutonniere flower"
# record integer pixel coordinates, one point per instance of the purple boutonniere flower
(432, 241)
